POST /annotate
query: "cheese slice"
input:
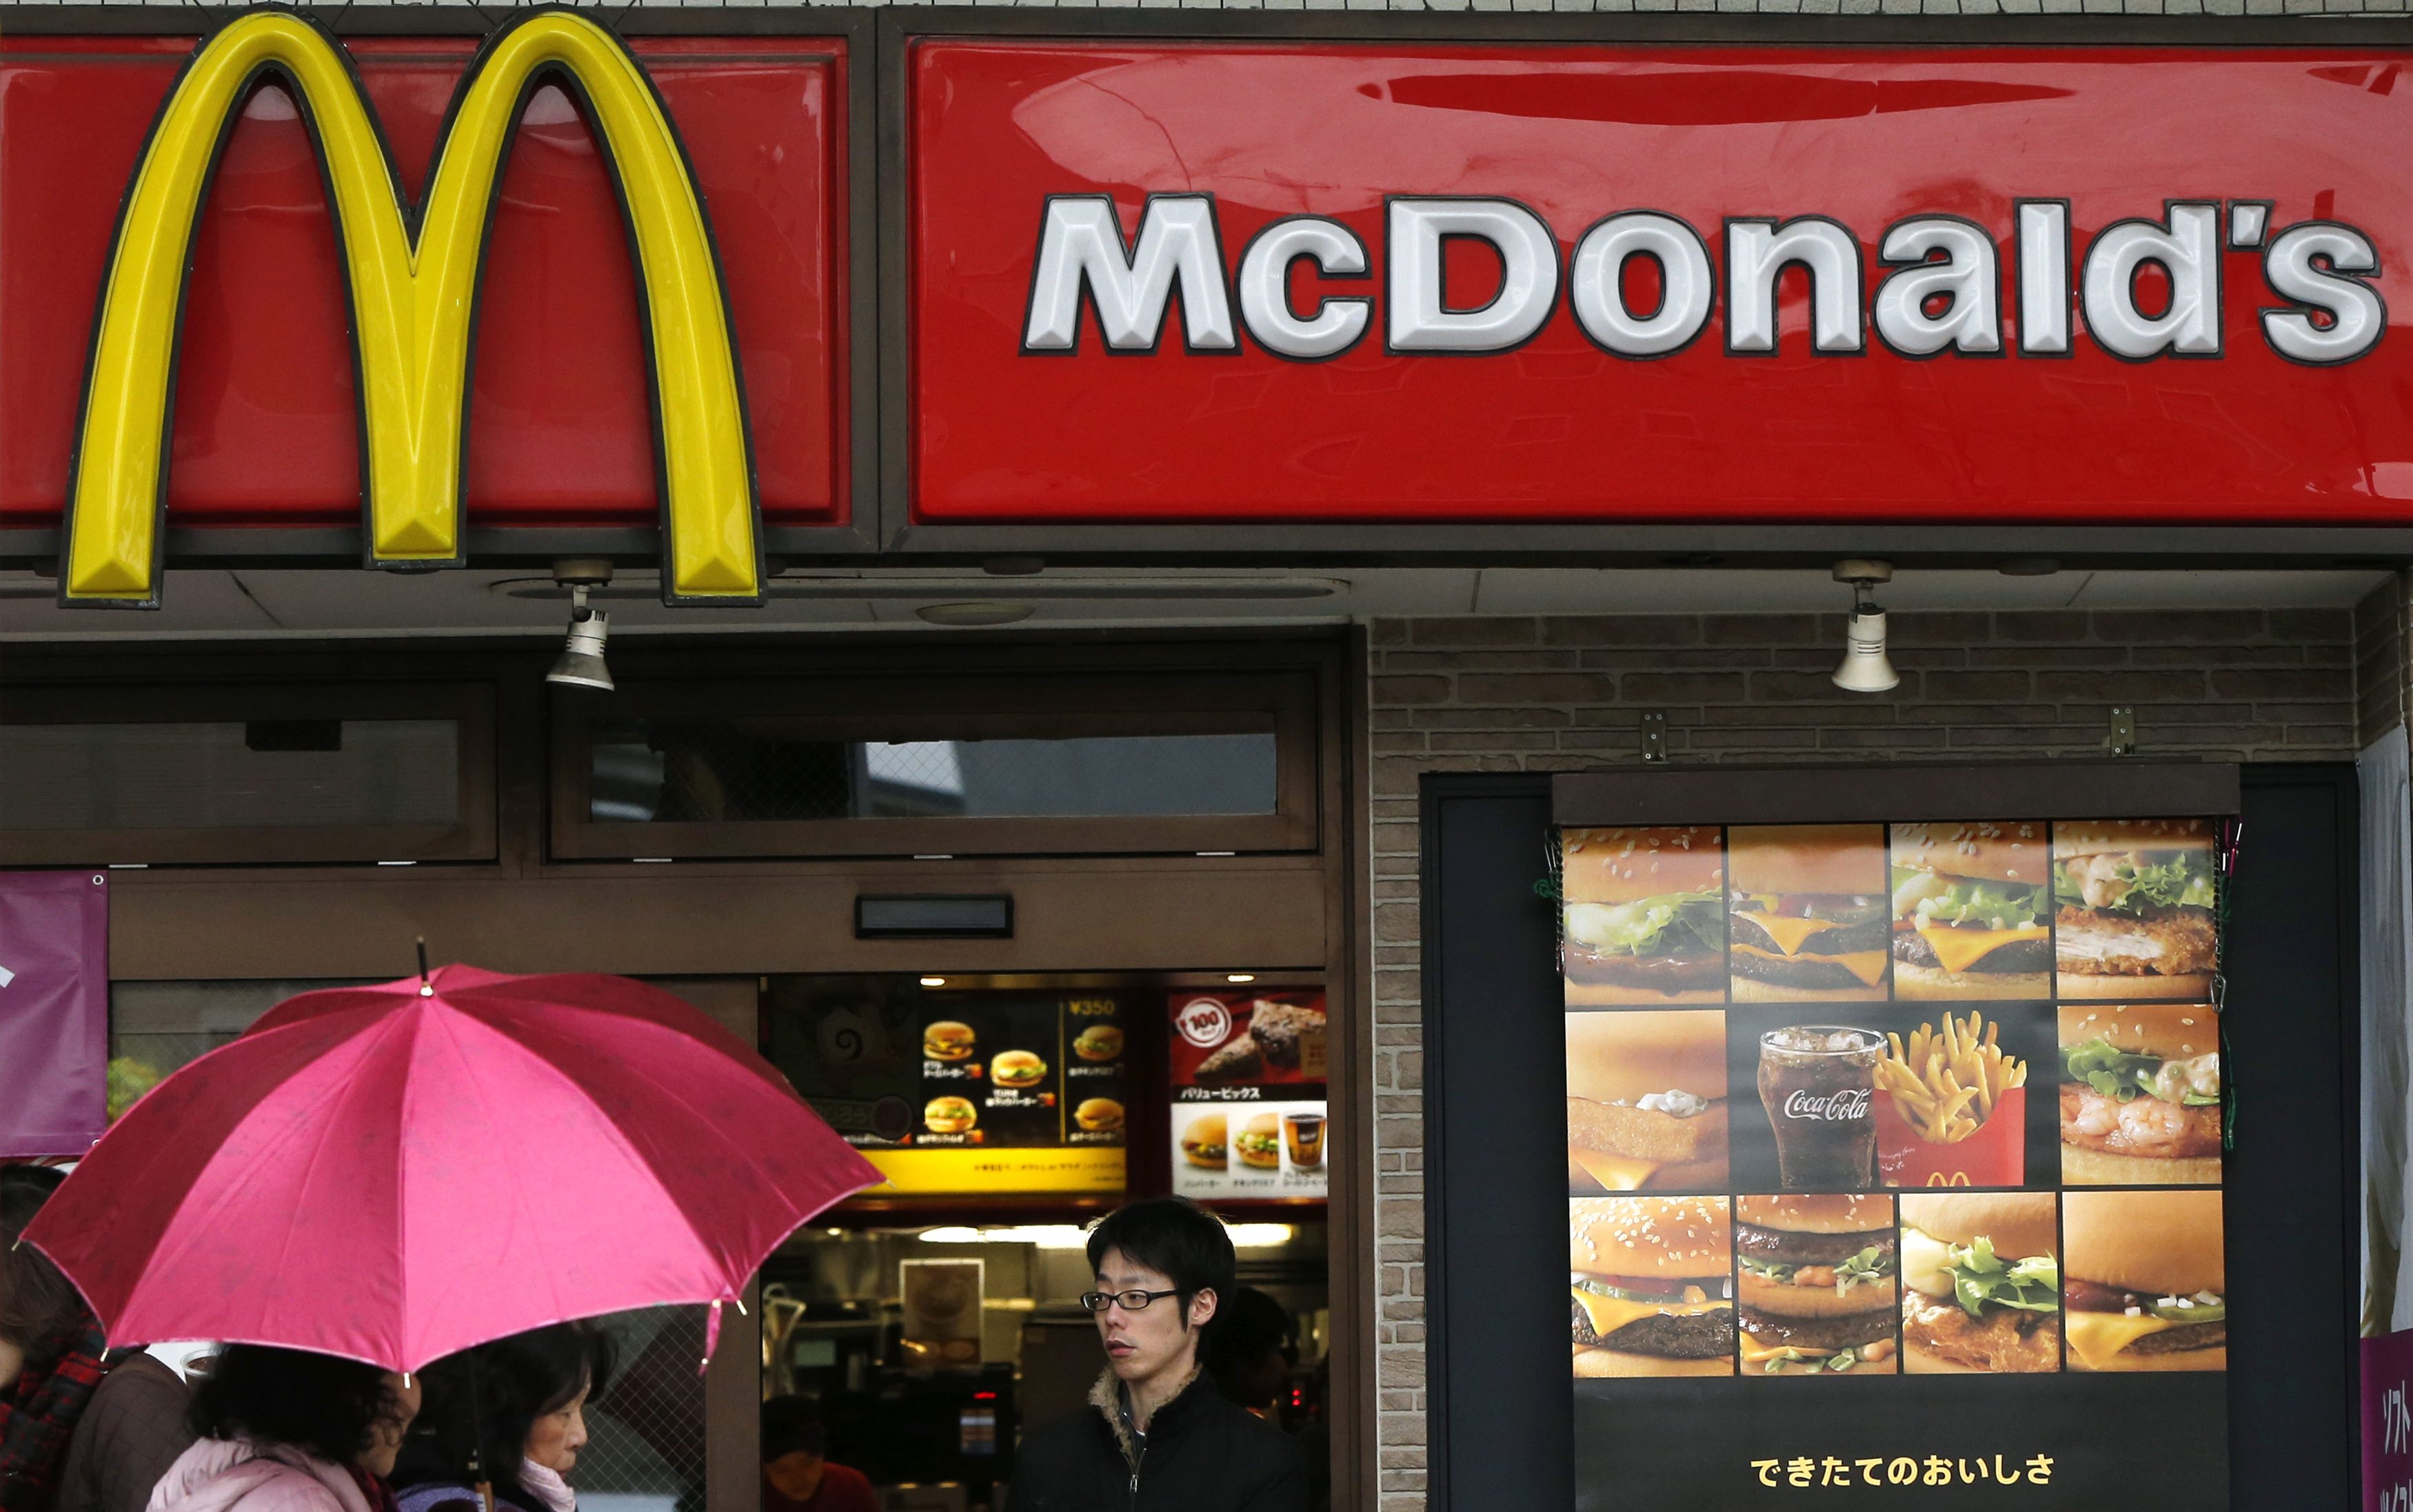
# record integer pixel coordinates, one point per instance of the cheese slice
(2096, 1336)
(1960, 949)
(1617, 1173)
(1610, 1314)
(1789, 932)
(1868, 965)
(1756, 1353)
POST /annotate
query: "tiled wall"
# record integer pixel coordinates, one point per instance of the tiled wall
(1550, 694)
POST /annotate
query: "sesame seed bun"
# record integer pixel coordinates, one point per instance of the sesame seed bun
(2185, 985)
(2102, 836)
(1817, 1213)
(1674, 1238)
(2173, 1030)
(1994, 851)
(1626, 866)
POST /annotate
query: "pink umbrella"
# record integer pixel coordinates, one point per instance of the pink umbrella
(397, 1172)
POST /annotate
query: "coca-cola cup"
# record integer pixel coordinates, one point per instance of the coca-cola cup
(1818, 1083)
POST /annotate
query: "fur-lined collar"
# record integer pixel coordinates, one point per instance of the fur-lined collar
(1107, 1397)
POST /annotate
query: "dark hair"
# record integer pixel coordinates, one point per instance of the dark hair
(1249, 1325)
(488, 1398)
(316, 1403)
(1175, 1237)
(41, 1310)
(793, 1425)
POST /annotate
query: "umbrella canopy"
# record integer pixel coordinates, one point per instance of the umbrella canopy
(394, 1173)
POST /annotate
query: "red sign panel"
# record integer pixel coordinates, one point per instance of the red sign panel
(1343, 283)
(560, 429)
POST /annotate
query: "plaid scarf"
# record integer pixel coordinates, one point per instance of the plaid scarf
(374, 1490)
(39, 1417)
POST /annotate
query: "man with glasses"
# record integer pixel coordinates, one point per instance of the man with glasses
(1158, 1437)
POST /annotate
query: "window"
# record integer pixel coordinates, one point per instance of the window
(1025, 764)
(197, 774)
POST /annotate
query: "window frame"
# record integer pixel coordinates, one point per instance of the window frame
(469, 705)
(1002, 705)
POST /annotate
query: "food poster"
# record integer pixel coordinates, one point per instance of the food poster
(1852, 1108)
(959, 1091)
(1248, 1111)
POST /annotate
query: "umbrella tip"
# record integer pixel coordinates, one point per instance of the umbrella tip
(425, 989)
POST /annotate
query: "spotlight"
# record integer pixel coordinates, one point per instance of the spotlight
(581, 664)
(1865, 668)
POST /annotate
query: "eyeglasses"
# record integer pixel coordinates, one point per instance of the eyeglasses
(1132, 1302)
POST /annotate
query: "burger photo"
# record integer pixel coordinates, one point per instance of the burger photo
(1204, 1140)
(2134, 917)
(1259, 1142)
(1646, 1100)
(1644, 913)
(947, 1039)
(1099, 1042)
(1809, 920)
(948, 1114)
(1017, 1069)
(1098, 1114)
(2139, 1096)
(1972, 907)
(1648, 1283)
(1981, 1286)
(2148, 1281)
(1817, 1288)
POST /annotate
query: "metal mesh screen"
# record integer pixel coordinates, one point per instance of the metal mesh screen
(646, 1444)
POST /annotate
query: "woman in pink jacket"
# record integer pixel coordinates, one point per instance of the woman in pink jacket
(286, 1431)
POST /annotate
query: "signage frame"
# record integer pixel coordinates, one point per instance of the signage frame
(495, 546)
(1592, 544)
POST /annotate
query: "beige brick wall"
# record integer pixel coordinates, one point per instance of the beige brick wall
(2383, 672)
(1555, 695)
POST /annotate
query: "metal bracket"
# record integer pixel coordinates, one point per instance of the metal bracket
(1654, 736)
(2122, 741)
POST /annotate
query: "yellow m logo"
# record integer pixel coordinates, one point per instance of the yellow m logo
(412, 275)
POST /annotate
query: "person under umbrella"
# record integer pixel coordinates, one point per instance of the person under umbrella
(511, 1415)
(289, 1431)
(80, 1431)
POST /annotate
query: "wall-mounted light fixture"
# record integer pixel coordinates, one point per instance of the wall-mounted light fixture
(1865, 668)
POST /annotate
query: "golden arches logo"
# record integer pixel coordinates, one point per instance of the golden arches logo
(410, 272)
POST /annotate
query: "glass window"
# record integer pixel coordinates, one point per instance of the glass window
(231, 773)
(646, 771)
(1031, 763)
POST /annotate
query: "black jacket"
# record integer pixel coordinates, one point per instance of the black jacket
(1203, 1454)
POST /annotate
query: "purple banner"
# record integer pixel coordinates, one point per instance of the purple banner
(2388, 1422)
(53, 1012)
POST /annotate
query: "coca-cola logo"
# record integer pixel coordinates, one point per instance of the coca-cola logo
(1845, 1107)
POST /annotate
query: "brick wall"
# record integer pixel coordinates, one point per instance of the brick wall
(2383, 672)
(1551, 694)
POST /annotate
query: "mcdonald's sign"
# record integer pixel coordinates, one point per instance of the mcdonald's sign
(434, 353)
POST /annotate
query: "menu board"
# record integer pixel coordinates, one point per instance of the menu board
(960, 1091)
(1249, 1109)
(1852, 1103)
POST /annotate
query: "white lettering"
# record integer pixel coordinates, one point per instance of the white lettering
(1756, 254)
(2309, 264)
(1965, 280)
(1528, 283)
(2189, 250)
(1081, 245)
(2044, 277)
(1849, 1106)
(1596, 284)
(1265, 288)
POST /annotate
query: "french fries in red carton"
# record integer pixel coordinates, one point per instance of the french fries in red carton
(1951, 1107)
